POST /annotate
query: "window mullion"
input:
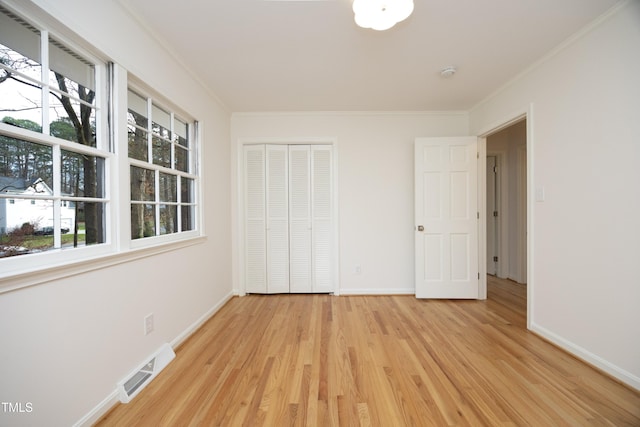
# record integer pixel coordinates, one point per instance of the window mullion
(171, 138)
(44, 67)
(149, 131)
(57, 193)
(157, 201)
(179, 199)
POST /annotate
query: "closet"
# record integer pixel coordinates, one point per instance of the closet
(288, 225)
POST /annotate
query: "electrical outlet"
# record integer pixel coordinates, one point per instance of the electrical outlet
(148, 324)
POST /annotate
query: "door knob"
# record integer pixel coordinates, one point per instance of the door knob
(421, 228)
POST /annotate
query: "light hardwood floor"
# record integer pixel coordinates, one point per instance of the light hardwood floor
(321, 360)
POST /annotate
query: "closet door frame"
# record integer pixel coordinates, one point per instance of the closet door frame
(241, 289)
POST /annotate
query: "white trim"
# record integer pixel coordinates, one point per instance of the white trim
(419, 113)
(19, 279)
(530, 214)
(521, 225)
(506, 121)
(99, 410)
(177, 341)
(482, 217)
(585, 355)
(379, 291)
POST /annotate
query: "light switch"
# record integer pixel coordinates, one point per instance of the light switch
(539, 194)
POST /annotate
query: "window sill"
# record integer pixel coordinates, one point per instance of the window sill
(23, 279)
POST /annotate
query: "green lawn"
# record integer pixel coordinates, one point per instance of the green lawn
(42, 242)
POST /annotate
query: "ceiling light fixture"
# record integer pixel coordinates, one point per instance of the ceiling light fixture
(381, 15)
(448, 71)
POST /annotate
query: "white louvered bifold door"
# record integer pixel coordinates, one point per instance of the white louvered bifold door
(277, 198)
(300, 218)
(321, 215)
(288, 218)
(255, 251)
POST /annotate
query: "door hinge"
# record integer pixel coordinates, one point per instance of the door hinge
(495, 213)
(495, 169)
(478, 215)
(495, 259)
(478, 276)
(477, 154)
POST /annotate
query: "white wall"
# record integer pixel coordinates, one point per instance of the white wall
(376, 189)
(66, 343)
(585, 142)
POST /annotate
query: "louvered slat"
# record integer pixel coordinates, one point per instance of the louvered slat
(255, 242)
(277, 219)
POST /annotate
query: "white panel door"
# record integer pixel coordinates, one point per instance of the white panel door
(446, 236)
(255, 249)
(300, 218)
(277, 229)
(321, 183)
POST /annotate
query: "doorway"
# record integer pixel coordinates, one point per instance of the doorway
(506, 204)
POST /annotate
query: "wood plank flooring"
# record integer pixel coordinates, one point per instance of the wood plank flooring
(321, 360)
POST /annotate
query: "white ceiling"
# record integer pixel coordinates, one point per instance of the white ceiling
(308, 55)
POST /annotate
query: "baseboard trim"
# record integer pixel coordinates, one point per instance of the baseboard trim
(194, 326)
(596, 361)
(378, 291)
(103, 407)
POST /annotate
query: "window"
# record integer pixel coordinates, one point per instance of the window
(53, 151)
(60, 161)
(161, 158)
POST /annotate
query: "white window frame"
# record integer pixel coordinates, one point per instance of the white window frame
(27, 266)
(153, 97)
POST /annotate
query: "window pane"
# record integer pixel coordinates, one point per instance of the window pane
(24, 164)
(143, 184)
(20, 103)
(143, 222)
(85, 222)
(72, 120)
(180, 132)
(161, 122)
(64, 62)
(168, 188)
(72, 88)
(186, 190)
(138, 143)
(187, 218)
(137, 105)
(161, 152)
(20, 37)
(182, 159)
(29, 227)
(137, 123)
(82, 175)
(168, 219)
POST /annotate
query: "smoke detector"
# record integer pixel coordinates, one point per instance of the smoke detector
(448, 71)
